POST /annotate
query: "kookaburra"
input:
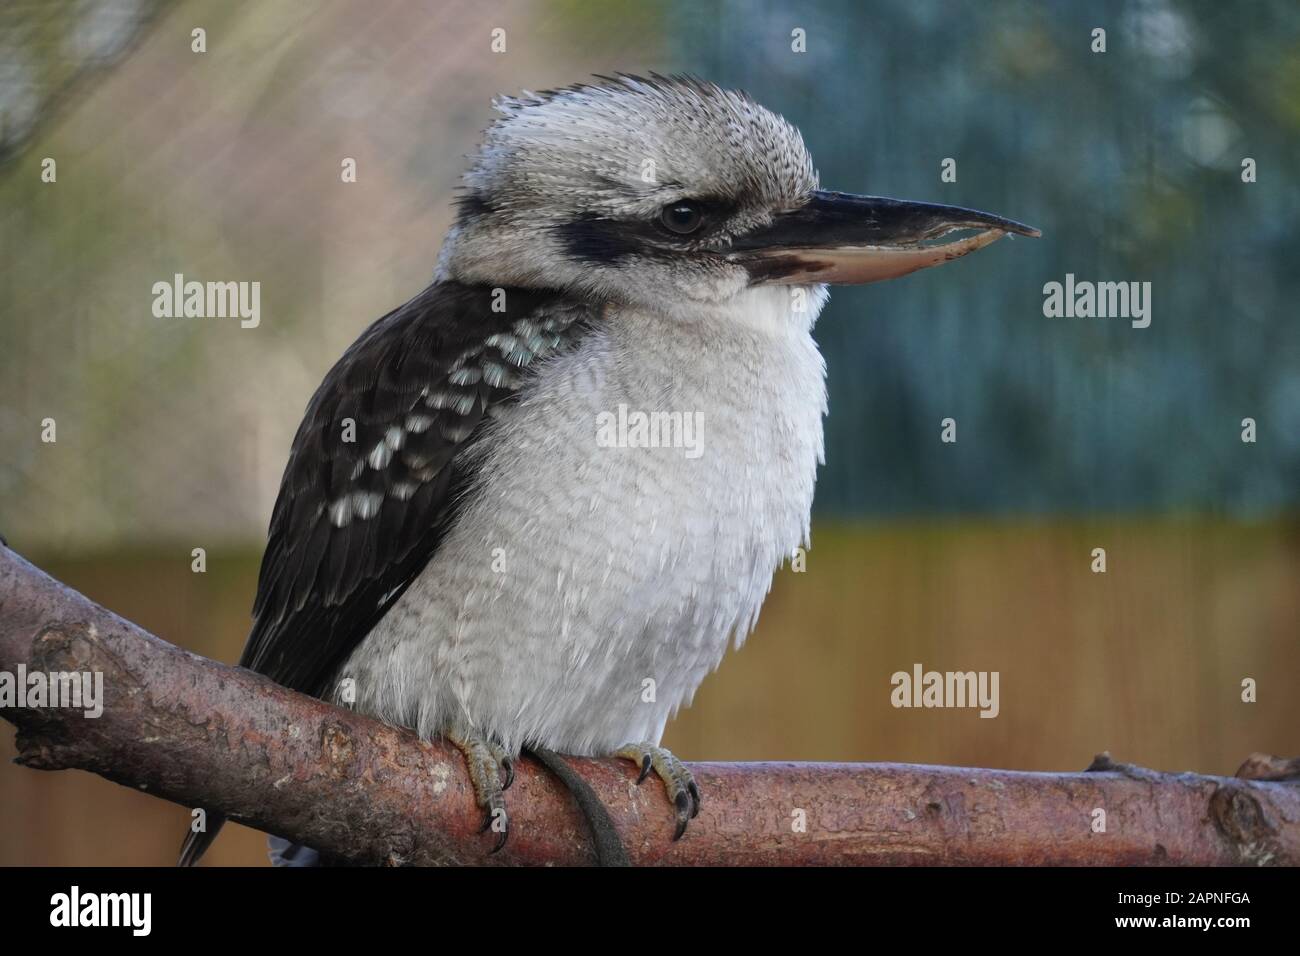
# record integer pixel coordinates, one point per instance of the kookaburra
(458, 548)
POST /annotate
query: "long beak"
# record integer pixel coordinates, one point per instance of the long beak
(839, 237)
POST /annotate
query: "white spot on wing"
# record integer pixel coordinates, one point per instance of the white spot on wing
(365, 504)
(340, 512)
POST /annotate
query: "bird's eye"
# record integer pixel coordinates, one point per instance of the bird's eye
(682, 218)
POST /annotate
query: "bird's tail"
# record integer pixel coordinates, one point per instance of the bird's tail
(197, 842)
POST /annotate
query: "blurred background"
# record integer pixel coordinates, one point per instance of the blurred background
(1073, 434)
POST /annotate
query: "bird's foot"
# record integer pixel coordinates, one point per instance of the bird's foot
(488, 764)
(678, 781)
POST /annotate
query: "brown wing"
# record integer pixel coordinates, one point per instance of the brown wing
(356, 521)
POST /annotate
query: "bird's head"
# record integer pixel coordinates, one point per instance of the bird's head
(674, 193)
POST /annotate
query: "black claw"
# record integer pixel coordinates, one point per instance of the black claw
(501, 840)
(645, 769)
(682, 803)
(682, 818)
(504, 831)
(509, 766)
(696, 799)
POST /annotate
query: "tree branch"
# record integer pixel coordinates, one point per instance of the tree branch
(204, 734)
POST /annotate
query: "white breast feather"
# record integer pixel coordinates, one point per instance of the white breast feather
(577, 573)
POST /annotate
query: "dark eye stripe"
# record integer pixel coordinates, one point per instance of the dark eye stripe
(600, 240)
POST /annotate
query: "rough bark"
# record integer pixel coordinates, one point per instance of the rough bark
(205, 734)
